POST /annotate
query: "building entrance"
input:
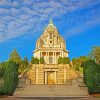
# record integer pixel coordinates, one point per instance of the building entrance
(50, 78)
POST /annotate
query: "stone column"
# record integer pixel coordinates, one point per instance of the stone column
(64, 76)
(45, 77)
(60, 54)
(53, 58)
(46, 54)
(36, 76)
(40, 54)
(47, 57)
(55, 77)
(46, 60)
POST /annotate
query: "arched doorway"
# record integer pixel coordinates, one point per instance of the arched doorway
(51, 60)
(50, 78)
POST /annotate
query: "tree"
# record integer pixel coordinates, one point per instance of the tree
(66, 60)
(42, 60)
(77, 67)
(10, 77)
(78, 61)
(2, 70)
(26, 63)
(91, 72)
(14, 56)
(95, 54)
(34, 60)
(83, 59)
(74, 61)
(60, 60)
(23, 65)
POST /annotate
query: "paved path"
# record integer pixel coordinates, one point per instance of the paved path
(50, 98)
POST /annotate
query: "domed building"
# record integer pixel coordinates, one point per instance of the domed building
(50, 46)
(50, 79)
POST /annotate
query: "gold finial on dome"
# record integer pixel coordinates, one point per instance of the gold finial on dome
(50, 21)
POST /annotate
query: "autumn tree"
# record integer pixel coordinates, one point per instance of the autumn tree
(95, 54)
(66, 60)
(78, 61)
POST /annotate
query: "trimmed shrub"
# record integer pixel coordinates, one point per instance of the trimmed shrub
(42, 60)
(60, 60)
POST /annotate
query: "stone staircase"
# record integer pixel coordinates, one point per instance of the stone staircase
(51, 91)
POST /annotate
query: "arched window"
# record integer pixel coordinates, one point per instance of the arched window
(60, 45)
(50, 60)
(37, 46)
(50, 35)
(57, 39)
(46, 39)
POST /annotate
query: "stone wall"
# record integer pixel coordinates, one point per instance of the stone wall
(38, 76)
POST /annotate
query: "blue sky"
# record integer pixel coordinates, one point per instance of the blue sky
(23, 21)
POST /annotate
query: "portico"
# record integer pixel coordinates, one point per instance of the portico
(51, 56)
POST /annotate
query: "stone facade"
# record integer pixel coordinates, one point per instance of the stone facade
(49, 74)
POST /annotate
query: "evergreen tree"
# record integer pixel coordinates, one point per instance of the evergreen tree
(26, 63)
(14, 56)
(32, 60)
(10, 77)
(91, 72)
(2, 69)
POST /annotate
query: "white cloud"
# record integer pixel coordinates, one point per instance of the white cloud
(81, 28)
(17, 17)
(3, 11)
(14, 11)
(3, 2)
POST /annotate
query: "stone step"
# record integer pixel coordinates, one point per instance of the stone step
(50, 90)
